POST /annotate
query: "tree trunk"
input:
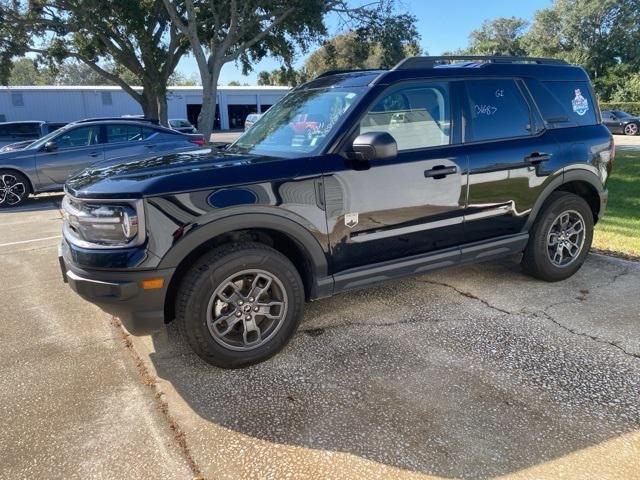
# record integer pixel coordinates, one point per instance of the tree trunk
(154, 103)
(208, 111)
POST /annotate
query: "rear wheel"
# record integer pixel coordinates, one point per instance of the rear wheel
(631, 129)
(560, 238)
(14, 188)
(240, 304)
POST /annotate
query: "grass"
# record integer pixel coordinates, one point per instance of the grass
(619, 231)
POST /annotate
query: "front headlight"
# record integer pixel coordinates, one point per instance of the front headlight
(103, 223)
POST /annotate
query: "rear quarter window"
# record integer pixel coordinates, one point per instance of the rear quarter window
(564, 104)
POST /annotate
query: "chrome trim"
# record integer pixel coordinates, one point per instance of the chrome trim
(137, 204)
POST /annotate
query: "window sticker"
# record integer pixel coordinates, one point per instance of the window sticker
(579, 103)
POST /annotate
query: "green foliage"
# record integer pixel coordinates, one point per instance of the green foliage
(26, 72)
(501, 36)
(630, 107)
(282, 77)
(619, 230)
(392, 40)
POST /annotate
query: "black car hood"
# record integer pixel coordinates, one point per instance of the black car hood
(186, 171)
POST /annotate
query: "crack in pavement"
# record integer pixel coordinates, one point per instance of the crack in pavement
(468, 295)
(544, 312)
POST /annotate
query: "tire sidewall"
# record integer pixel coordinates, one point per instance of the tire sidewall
(562, 203)
(210, 275)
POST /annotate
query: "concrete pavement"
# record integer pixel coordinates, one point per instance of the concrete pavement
(72, 403)
(475, 372)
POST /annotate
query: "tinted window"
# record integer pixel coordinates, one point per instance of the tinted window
(497, 110)
(128, 133)
(575, 97)
(79, 137)
(417, 116)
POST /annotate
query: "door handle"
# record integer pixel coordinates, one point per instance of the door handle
(440, 171)
(536, 158)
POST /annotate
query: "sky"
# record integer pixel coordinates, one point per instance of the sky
(443, 26)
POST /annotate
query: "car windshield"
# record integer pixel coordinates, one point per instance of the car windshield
(41, 141)
(621, 114)
(300, 123)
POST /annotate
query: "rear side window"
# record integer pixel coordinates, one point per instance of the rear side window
(564, 104)
(21, 130)
(496, 110)
(128, 133)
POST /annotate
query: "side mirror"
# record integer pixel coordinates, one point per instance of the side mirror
(50, 147)
(375, 146)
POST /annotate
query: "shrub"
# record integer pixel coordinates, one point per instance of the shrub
(630, 107)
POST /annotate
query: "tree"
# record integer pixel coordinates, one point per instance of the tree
(283, 77)
(501, 36)
(126, 43)
(597, 34)
(396, 38)
(25, 71)
(247, 31)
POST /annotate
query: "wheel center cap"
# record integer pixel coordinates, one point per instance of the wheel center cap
(247, 308)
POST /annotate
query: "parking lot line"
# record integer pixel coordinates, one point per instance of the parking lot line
(29, 241)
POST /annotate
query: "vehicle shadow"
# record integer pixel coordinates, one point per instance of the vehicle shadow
(39, 203)
(419, 375)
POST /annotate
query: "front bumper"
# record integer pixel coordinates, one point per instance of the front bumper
(121, 293)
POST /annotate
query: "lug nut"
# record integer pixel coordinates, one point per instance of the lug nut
(248, 317)
(256, 308)
(238, 314)
(251, 299)
(240, 302)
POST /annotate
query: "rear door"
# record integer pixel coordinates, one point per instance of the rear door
(511, 156)
(408, 205)
(129, 139)
(77, 148)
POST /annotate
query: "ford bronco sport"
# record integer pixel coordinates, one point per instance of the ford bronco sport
(436, 162)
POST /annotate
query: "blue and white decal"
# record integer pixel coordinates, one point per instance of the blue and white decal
(579, 103)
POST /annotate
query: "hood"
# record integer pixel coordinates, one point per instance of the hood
(136, 177)
(16, 146)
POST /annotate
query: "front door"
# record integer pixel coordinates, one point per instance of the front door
(76, 148)
(412, 204)
(612, 123)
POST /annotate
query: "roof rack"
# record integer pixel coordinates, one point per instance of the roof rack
(338, 71)
(431, 62)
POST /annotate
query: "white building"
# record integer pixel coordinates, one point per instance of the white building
(69, 103)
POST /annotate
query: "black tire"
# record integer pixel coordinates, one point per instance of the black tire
(537, 260)
(14, 188)
(201, 286)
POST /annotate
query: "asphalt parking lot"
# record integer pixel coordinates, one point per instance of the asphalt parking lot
(475, 372)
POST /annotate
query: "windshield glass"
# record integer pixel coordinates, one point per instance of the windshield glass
(41, 141)
(300, 123)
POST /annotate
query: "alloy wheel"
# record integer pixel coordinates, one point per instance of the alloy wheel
(566, 238)
(631, 129)
(247, 310)
(12, 190)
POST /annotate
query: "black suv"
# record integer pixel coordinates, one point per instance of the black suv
(351, 179)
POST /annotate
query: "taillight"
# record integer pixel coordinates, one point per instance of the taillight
(198, 141)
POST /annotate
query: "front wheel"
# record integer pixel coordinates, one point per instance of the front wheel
(240, 304)
(14, 189)
(560, 238)
(631, 129)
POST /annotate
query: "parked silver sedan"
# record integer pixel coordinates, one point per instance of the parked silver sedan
(45, 164)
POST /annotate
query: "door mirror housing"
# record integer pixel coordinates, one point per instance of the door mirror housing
(50, 146)
(375, 146)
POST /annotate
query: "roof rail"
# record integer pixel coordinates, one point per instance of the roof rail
(338, 71)
(430, 62)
